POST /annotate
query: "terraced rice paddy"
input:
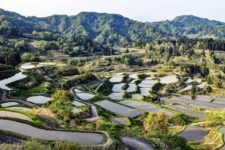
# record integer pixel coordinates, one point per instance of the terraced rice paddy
(119, 109)
(116, 96)
(187, 100)
(203, 98)
(186, 104)
(219, 102)
(123, 121)
(9, 114)
(118, 88)
(136, 143)
(117, 78)
(198, 80)
(145, 91)
(133, 76)
(147, 83)
(76, 103)
(9, 104)
(187, 111)
(202, 85)
(188, 87)
(219, 98)
(39, 99)
(143, 106)
(131, 88)
(18, 108)
(169, 79)
(69, 136)
(83, 95)
(16, 77)
(194, 134)
(137, 96)
(76, 110)
(26, 66)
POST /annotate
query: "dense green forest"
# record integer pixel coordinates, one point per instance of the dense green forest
(110, 29)
(89, 34)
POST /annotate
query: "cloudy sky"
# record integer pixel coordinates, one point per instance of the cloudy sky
(142, 10)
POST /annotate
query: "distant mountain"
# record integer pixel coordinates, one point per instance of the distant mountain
(111, 29)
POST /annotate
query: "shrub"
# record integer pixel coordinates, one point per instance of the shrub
(69, 71)
(180, 120)
(61, 104)
(156, 122)
(29, 57)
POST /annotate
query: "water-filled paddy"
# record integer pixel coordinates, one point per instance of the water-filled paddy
(119, 109)
(9, 104)
(133, 76)
(76, 103)
(137, 96)
(69, 136)
(117, 78)
(85, 96)
(26, 66)
(16, 77)
(143, 106)
(16, 115)
(131, 88)
(117, 88)
(194, 134)
(145, 91)
(39, 99)
(116, 96)
(123, 121)
(168, 79)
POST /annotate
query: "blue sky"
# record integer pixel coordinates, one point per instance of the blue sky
(142, 10)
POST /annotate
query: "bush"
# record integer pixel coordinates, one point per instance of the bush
(69, 71)
(61, 104)
(157, 87)
(106, 88)
(180, 120)
(156, 122)
(129, 60)
(29, 57)
(219, 84)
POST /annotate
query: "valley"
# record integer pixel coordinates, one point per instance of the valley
(105, 82)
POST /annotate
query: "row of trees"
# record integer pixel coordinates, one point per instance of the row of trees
(183, 44)
(129, 59)
(192, 69)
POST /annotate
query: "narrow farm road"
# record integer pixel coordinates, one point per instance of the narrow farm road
(95, 115)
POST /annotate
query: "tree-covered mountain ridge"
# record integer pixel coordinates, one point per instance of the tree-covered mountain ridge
(112, 29)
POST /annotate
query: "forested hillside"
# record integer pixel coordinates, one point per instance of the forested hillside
(111, 29)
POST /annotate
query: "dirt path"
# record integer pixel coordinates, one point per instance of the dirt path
(95, 115)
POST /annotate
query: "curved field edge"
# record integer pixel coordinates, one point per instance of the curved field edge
(106, 138)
